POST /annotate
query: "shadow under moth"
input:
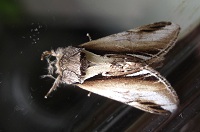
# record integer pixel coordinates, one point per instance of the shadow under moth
(120, 67)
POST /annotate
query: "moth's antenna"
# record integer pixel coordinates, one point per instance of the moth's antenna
(45, 53)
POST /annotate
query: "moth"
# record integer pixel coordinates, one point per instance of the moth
(120, 67)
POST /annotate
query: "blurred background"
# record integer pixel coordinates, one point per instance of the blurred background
(29, 27)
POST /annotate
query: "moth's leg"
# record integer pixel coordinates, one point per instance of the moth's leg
(49, 76)
(51, 66)
(88, 35)
(89, 94)
(55, 85)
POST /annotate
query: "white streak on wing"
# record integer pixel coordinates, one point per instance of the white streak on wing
(155, 97)
(119, 96)
(142, 72)
(140, 56)
(133, 95)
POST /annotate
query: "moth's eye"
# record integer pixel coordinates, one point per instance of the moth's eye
(52, 58)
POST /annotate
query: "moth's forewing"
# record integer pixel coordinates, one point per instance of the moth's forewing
(146, 90)
(147, 41)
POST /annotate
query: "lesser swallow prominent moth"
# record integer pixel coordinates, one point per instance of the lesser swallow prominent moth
(120, 67)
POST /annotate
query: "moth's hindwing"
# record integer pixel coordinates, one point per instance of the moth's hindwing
(146, 90)
(146, 42)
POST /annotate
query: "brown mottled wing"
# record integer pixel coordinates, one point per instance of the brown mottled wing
(146, 90)
(145, 42)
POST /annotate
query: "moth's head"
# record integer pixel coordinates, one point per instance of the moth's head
(69, 63)
(66, 64)
(52, 67)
